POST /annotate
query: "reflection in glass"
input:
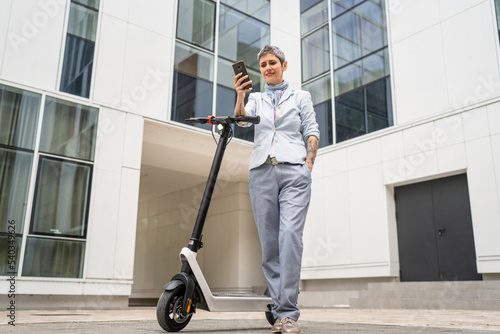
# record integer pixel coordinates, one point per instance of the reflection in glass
(69, 129)
(378, 105)
(348, 78)
(313, 17)
(350, 115)
(375, 66)
(9, 257)
(346, 36)
(77, 66)
(196, 22)
(82, 22)
(15, 172)
(18, 117)
(226, 95)
(320, 89)
(255, 8)
(53, 258)
(61, 199)
(241, 37)
(193, 83)
(324, 119)
(340, 6)
(193, 62)
(88, 3)
(315, 54)
(321, 94)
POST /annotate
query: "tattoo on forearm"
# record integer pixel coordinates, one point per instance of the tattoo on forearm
(241, 107)
(312, 149)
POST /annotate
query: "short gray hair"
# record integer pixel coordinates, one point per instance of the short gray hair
(270, 49)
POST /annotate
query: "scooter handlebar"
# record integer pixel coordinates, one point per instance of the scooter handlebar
(212, 120)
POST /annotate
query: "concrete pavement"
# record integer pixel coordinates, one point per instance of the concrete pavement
(143, 320)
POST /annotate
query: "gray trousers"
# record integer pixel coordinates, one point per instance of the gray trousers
(280, 198)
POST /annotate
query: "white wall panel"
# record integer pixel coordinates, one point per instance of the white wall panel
(35, 38)
(364, 154)
(285, 34)
(4, 27)
(110, 138)
(408, 17)
(369, 230)
(472, 68)
(475, 123)
(483, 193)
(494, 118)
(448, 8)
(420, 88)
(103, 222)
(146, 80)
(132, 145)
(127, 223)
(155, 15)
(110, 61)
(116, 8)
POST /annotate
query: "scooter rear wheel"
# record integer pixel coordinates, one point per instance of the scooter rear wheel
(168, 310)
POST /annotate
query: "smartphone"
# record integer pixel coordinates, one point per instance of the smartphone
(239, 67)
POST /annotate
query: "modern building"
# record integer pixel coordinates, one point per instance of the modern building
(101, 177)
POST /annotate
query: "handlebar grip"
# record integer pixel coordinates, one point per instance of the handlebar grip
(248, 119)
(196, 120)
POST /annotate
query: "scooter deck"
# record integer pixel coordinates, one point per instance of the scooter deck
(240, 295)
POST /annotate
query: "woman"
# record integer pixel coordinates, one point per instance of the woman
(285, 146)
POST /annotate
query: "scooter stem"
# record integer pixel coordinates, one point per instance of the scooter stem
(195, 241)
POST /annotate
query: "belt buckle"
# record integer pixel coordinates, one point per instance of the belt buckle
(274, 162)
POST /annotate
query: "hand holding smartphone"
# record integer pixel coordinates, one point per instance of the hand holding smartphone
(239, 67)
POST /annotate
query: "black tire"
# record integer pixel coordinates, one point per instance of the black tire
(269, 315)
(168, 310)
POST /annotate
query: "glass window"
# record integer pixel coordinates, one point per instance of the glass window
(258, 9)
(53, 258)
(18, 117)
(82, 22)
(321, 95)
(378, 102)
(15, 172)
(61, 198)
(497, 8)
(340, 6)
(196, 22)
(193, 83)
(241, 37)
(313, 17)
(346, 34)
(315, 54)
(10, 248)
(69, 129)
(77, 66)
(88, 3)
(79, 50)
(375, 66)
(350, 115)
(348, 78)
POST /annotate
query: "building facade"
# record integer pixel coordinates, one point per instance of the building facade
(102, 178)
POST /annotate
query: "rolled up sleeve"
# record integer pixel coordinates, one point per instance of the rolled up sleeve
(250, 109)
(309, 126)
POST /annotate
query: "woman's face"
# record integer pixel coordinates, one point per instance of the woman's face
(271, 69)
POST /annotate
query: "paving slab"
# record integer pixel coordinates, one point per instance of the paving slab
(143, 319)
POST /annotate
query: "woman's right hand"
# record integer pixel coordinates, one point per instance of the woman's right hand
(241, 88)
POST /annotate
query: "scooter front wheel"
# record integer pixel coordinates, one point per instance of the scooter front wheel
(169, 310)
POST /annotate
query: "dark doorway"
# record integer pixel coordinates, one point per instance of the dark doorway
(434, 225)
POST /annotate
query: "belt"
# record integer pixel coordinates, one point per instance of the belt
(273, 161)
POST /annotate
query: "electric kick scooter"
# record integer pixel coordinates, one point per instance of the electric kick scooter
(188, 290)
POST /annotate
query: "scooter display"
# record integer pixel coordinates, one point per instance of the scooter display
(188, 290)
